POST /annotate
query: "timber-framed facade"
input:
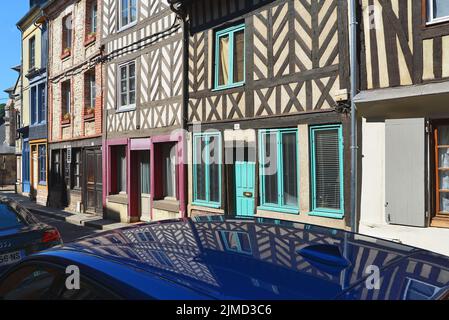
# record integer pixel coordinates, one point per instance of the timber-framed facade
(266, 82)
(143, 149)
(404, 100)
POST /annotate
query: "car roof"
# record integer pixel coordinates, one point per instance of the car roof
(257, 258)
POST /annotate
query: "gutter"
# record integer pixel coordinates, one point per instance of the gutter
(354, 133)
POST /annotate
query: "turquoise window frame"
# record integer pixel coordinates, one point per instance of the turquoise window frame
(280, 206)
(230, 33)
(207, 202)
(326, 212)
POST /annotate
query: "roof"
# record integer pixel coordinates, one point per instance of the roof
(256, 258)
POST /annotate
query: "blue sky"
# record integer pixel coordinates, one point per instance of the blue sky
(10, 14)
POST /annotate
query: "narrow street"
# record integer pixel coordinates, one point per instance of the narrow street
(69, 232)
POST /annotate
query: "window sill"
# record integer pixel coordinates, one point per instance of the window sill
(166, 205)
(118, 198)
(89, 40)
(207, 205)
(65, 123)
(437, 22)
(65, 55)
(126, 109)
(327, 214)
(280, 210)
(231, 86)
(89, 117)
(43, 184)
(126, 27)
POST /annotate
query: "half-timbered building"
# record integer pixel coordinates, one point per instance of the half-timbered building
(33, 127)
(404, 100)
(268, 90)
(75, 105)
(144, 176)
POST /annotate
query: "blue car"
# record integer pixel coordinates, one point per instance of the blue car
(226, 258)
(21, 234)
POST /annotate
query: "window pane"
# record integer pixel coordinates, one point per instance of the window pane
(121, 169)
(200, 168)
(133, 9)
(145, 172)
(327, 169)
(239, 56)
(125, 12)
(223, 60)
(290, 169)
(270, 165)
(169, 156)
(440, 8)
(443, 135)
(214, 168)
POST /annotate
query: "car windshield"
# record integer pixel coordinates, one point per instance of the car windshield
(9, 218)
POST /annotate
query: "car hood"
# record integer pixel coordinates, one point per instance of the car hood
(231, 258)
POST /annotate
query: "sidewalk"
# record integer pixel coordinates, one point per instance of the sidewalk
(79, 219)
(432, 239)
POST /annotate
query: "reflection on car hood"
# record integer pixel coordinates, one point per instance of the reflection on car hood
(271, 259)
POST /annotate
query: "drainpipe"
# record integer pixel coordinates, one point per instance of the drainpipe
(354, 133)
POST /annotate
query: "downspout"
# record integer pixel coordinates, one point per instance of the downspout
(178, 7)
(354, 133)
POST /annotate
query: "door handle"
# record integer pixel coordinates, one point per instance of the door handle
(248, 194)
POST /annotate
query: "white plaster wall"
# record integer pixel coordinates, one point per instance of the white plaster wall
(372, 206)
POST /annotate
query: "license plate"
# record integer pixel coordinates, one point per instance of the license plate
(10, 258)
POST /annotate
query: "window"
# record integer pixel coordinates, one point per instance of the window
(38, 104)
(56, 174)
(127, 89)
(128, 12)
(93, 17)
(119, 152)
(279, 170)
(33, 104)
(9, 218)
(230, 57)
(327, 171)
(67, 35)
(207, 169)
(442, 170)
(170, 170)
(418, 290)
(437, 11)
(145, 178)
(32, 53)
(76, 170)
(90, 89)
(66, 99)
(42, 155)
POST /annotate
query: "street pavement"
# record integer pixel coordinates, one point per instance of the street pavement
(69, 232)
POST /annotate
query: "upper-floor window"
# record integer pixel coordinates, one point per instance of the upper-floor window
(67, 35)
(66, 98)
(32, 53)
(230, 57)
(38, 95)
(127, 85)
(128, 12)
(91, 19)
(437, 11)
(90, 89)
(93, 15)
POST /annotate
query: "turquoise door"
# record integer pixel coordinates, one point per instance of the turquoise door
(245, 181)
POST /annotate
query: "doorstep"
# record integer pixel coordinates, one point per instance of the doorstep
(431, 239)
